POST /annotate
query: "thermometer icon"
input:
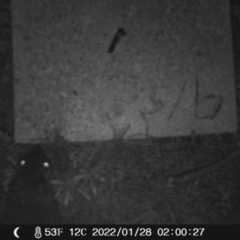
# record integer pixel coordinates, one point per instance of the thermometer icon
(38, 233)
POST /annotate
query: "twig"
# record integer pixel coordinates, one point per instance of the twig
(202, 170)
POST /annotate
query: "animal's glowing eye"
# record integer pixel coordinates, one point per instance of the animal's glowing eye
(22, 163)
(46, 164)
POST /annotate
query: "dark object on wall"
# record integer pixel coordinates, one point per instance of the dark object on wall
(31, 200)
(120, 32)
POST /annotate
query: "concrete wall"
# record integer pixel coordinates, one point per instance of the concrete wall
(169, 73)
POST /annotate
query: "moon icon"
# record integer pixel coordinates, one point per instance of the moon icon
(15, 232)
